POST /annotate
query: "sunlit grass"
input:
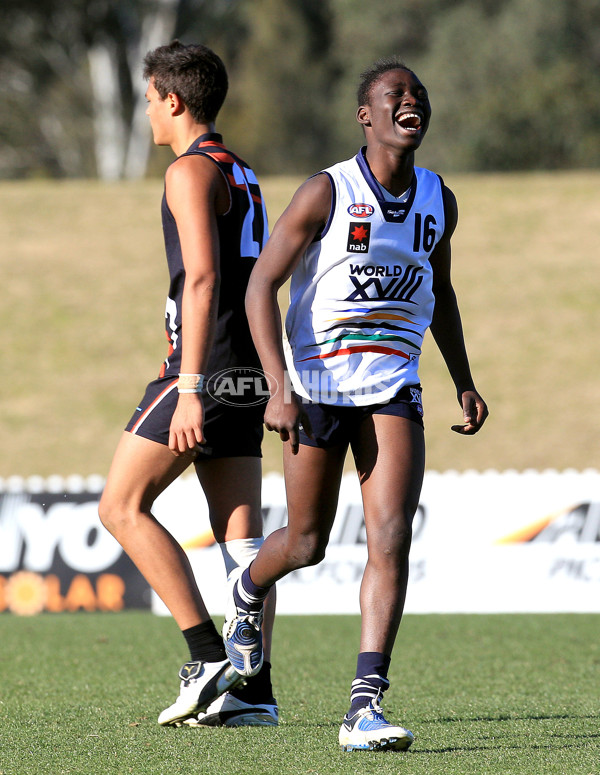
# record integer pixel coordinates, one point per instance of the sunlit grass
(492, 695)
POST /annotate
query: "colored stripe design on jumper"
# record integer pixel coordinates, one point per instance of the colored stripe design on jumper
(148, 411)
(227, 158)
(352, 330)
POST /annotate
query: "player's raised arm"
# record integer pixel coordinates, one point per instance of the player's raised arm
(446, 326)
(304, 217)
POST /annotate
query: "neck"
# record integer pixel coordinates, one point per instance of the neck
(187, 133)
(393, 171)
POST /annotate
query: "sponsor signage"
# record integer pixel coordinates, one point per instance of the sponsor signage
(482, 543)
(359, 237)
(56, 556)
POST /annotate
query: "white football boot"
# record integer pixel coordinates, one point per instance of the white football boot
(368, 730)
(229, 711)
(201, 684)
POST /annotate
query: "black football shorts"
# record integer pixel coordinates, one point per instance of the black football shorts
(230, 431)
(333, 425)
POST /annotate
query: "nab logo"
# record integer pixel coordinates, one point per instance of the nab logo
(361, 210)
(359, 235)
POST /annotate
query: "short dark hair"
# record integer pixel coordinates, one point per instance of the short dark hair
(370, 76)
(194, 73)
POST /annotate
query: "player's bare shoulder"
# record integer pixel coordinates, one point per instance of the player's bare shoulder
(196, 176)
(311, 204)
(196, 166)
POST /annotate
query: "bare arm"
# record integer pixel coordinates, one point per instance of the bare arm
(447, 330)
(305, 216)
(194, 188)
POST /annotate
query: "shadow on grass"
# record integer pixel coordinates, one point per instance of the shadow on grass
(554, 741)
(510, 717)
(473, 748)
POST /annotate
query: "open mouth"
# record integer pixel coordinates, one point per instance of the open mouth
(411, 122)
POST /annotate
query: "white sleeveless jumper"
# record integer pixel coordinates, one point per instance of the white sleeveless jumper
(361, 296)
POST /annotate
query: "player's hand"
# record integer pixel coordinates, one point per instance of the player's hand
(285, 417)
(475, 412)
(186, 430)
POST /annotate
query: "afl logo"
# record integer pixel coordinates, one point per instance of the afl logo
(361, 210)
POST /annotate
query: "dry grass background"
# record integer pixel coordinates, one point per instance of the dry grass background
(84, 282)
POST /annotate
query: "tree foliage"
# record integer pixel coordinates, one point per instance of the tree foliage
(513, 83)
(513, 87)
(281, 84)
(71, 73)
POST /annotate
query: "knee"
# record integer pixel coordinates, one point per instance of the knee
(106, 513)
(308, 549)
(113, 515)
(391, 541)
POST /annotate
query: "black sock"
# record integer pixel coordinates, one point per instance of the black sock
(258, 689)
(205, 643)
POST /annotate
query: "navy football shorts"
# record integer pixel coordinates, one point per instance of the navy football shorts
(334, 425)
(230, 431)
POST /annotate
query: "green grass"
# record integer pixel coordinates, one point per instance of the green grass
(84, 284)
(505, 694)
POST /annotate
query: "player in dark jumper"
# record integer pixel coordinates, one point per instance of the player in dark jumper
(215, 225)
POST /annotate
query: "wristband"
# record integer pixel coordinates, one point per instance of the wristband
(190, 383)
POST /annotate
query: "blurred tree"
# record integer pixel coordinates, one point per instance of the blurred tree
(42, 91)
(514, 86)
(71, 74)
(118, 35)
(281, 85)
(514, 83)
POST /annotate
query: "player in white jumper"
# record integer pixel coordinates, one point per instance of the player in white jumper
(367, 245)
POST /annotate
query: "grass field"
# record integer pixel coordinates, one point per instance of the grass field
(485, 695)
(84, 283)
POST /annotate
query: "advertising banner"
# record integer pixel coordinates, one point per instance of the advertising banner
(56, 556)
(482, 542)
